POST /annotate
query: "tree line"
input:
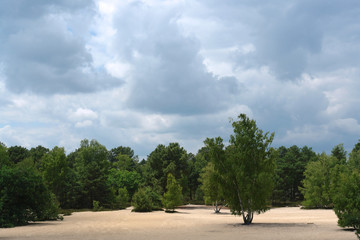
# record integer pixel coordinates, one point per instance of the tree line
(246, 174)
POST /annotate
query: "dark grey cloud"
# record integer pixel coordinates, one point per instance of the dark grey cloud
(18, 14)
(290, 39)
(42, 52)
(169, 75)
(283, 108)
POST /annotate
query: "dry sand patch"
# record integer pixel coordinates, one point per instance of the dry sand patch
(190, 222)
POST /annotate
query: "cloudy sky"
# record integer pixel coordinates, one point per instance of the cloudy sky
(140, 73)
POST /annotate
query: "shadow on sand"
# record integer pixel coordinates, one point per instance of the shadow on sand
(190, 206)
(273, 225)
(197, 207)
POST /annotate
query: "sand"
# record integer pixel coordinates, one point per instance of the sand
(190, 222)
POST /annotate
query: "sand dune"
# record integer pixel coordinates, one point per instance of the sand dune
(190, 222)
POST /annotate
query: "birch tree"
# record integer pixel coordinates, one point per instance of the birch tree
(246, 167)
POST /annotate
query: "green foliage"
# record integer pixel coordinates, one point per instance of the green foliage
(58, 176)
(245, 167)
(124, 162)
(97, 206)
(142, 201)
(155, 197)
(195, 167)
(115, 152)
(17, 153)
(289, 172)
(4, 156)
(211, 186)
(336, 179)
(146, 199)
(317, 182)
(92, 168)
(122, 198)
(130, 180)
(164, 160)
(339, 153)
(356, 147)
(36, 154)
(27, 163)
(24, 197)
(185, 167)
(354, 160)
(347, 201)
(173, 197)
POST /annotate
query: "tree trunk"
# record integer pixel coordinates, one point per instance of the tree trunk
(217, 208)
(248, 217)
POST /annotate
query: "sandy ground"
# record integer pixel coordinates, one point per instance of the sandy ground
(190, 222)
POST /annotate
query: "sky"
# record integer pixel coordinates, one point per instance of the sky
(140, 73)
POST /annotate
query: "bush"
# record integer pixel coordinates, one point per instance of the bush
(142, 201)
(173, 197)
(24, 197)
(155, 198)
(122, 198)
(347, 201)
(96, 206)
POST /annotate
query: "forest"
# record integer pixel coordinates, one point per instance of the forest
(39, 183)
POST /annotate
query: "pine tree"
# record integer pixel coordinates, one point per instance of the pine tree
(173, 196)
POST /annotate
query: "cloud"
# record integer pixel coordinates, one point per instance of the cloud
(83, 117)
(292, 41)
(168, 75)
(43, 52)
(83, 113)
(141, 73)
(85, 123)
(291, 38)
(349, 125)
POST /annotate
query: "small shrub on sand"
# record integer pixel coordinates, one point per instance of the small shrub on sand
(142, 201)
(173, 197)
(96, 206)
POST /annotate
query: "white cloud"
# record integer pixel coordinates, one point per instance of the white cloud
(82, 124)
(118, 69)
(83, 113)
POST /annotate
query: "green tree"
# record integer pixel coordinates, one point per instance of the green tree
(195, 167)
(168, 159)
(115, 152)
(59, 177)
(211, 187)
(347, 201)
(142, 201)
(336, 179)
(24, 197)
(17, 153)
(92, 168)
(173, 197)
(246, 167)
(339, 152)
(289, 172)
(37, 153)
(122, 198)
(124, 162)
(4, 156)
(356, 147)
(317, 182)
(130, 180)
(354, 159)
